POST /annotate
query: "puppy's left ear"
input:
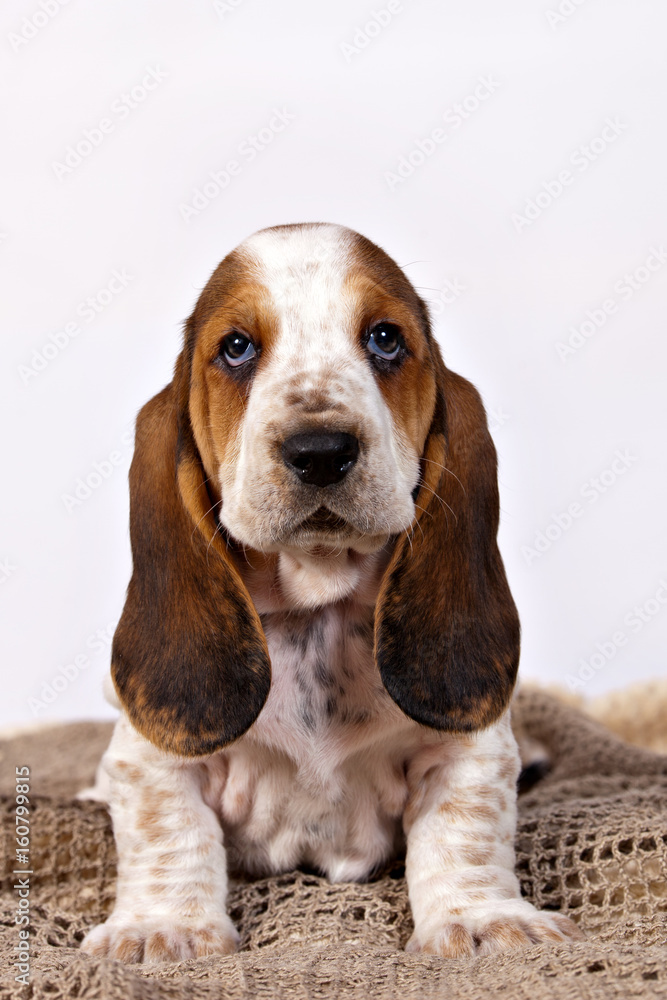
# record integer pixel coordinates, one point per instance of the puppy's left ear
(189, 658)
(446, 628)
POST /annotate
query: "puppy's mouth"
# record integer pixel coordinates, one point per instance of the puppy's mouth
(325, 521)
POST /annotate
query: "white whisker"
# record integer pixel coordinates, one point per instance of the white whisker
(443, 502)
(445, 469)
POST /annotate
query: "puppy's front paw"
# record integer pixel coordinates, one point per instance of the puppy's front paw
(156, 940)
(494, 927)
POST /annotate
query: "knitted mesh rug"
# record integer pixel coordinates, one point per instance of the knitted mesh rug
(591, 842)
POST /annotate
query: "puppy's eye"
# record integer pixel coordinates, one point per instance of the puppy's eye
(236, 349)
(385, 341)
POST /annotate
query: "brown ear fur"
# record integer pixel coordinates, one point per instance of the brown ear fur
(446, 628)
(189, 657)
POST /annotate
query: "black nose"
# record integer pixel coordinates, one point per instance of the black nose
(321, 459)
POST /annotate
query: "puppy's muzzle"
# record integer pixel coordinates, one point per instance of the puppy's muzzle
(320, 459)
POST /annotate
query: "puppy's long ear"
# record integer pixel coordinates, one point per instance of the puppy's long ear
(189, 657)
(446, 628)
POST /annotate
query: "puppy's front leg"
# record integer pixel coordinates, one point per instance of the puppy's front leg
(172, 878)
(460, 823)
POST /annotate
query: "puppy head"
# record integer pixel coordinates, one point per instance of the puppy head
(312, 389)
(310, 413)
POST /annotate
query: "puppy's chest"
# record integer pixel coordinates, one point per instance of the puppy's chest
(320, 777)
(325, 686)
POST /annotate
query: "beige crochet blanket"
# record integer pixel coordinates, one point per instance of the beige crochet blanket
(592, 842)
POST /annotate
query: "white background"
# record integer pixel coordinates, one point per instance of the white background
(557, 422)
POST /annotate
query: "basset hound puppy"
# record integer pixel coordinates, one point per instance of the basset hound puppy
(319, 645)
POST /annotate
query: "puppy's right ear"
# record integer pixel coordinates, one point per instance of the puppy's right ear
(189, 658)
(447, 629)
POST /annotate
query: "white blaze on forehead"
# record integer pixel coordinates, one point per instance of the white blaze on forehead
(304, 269)
(288, 254)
